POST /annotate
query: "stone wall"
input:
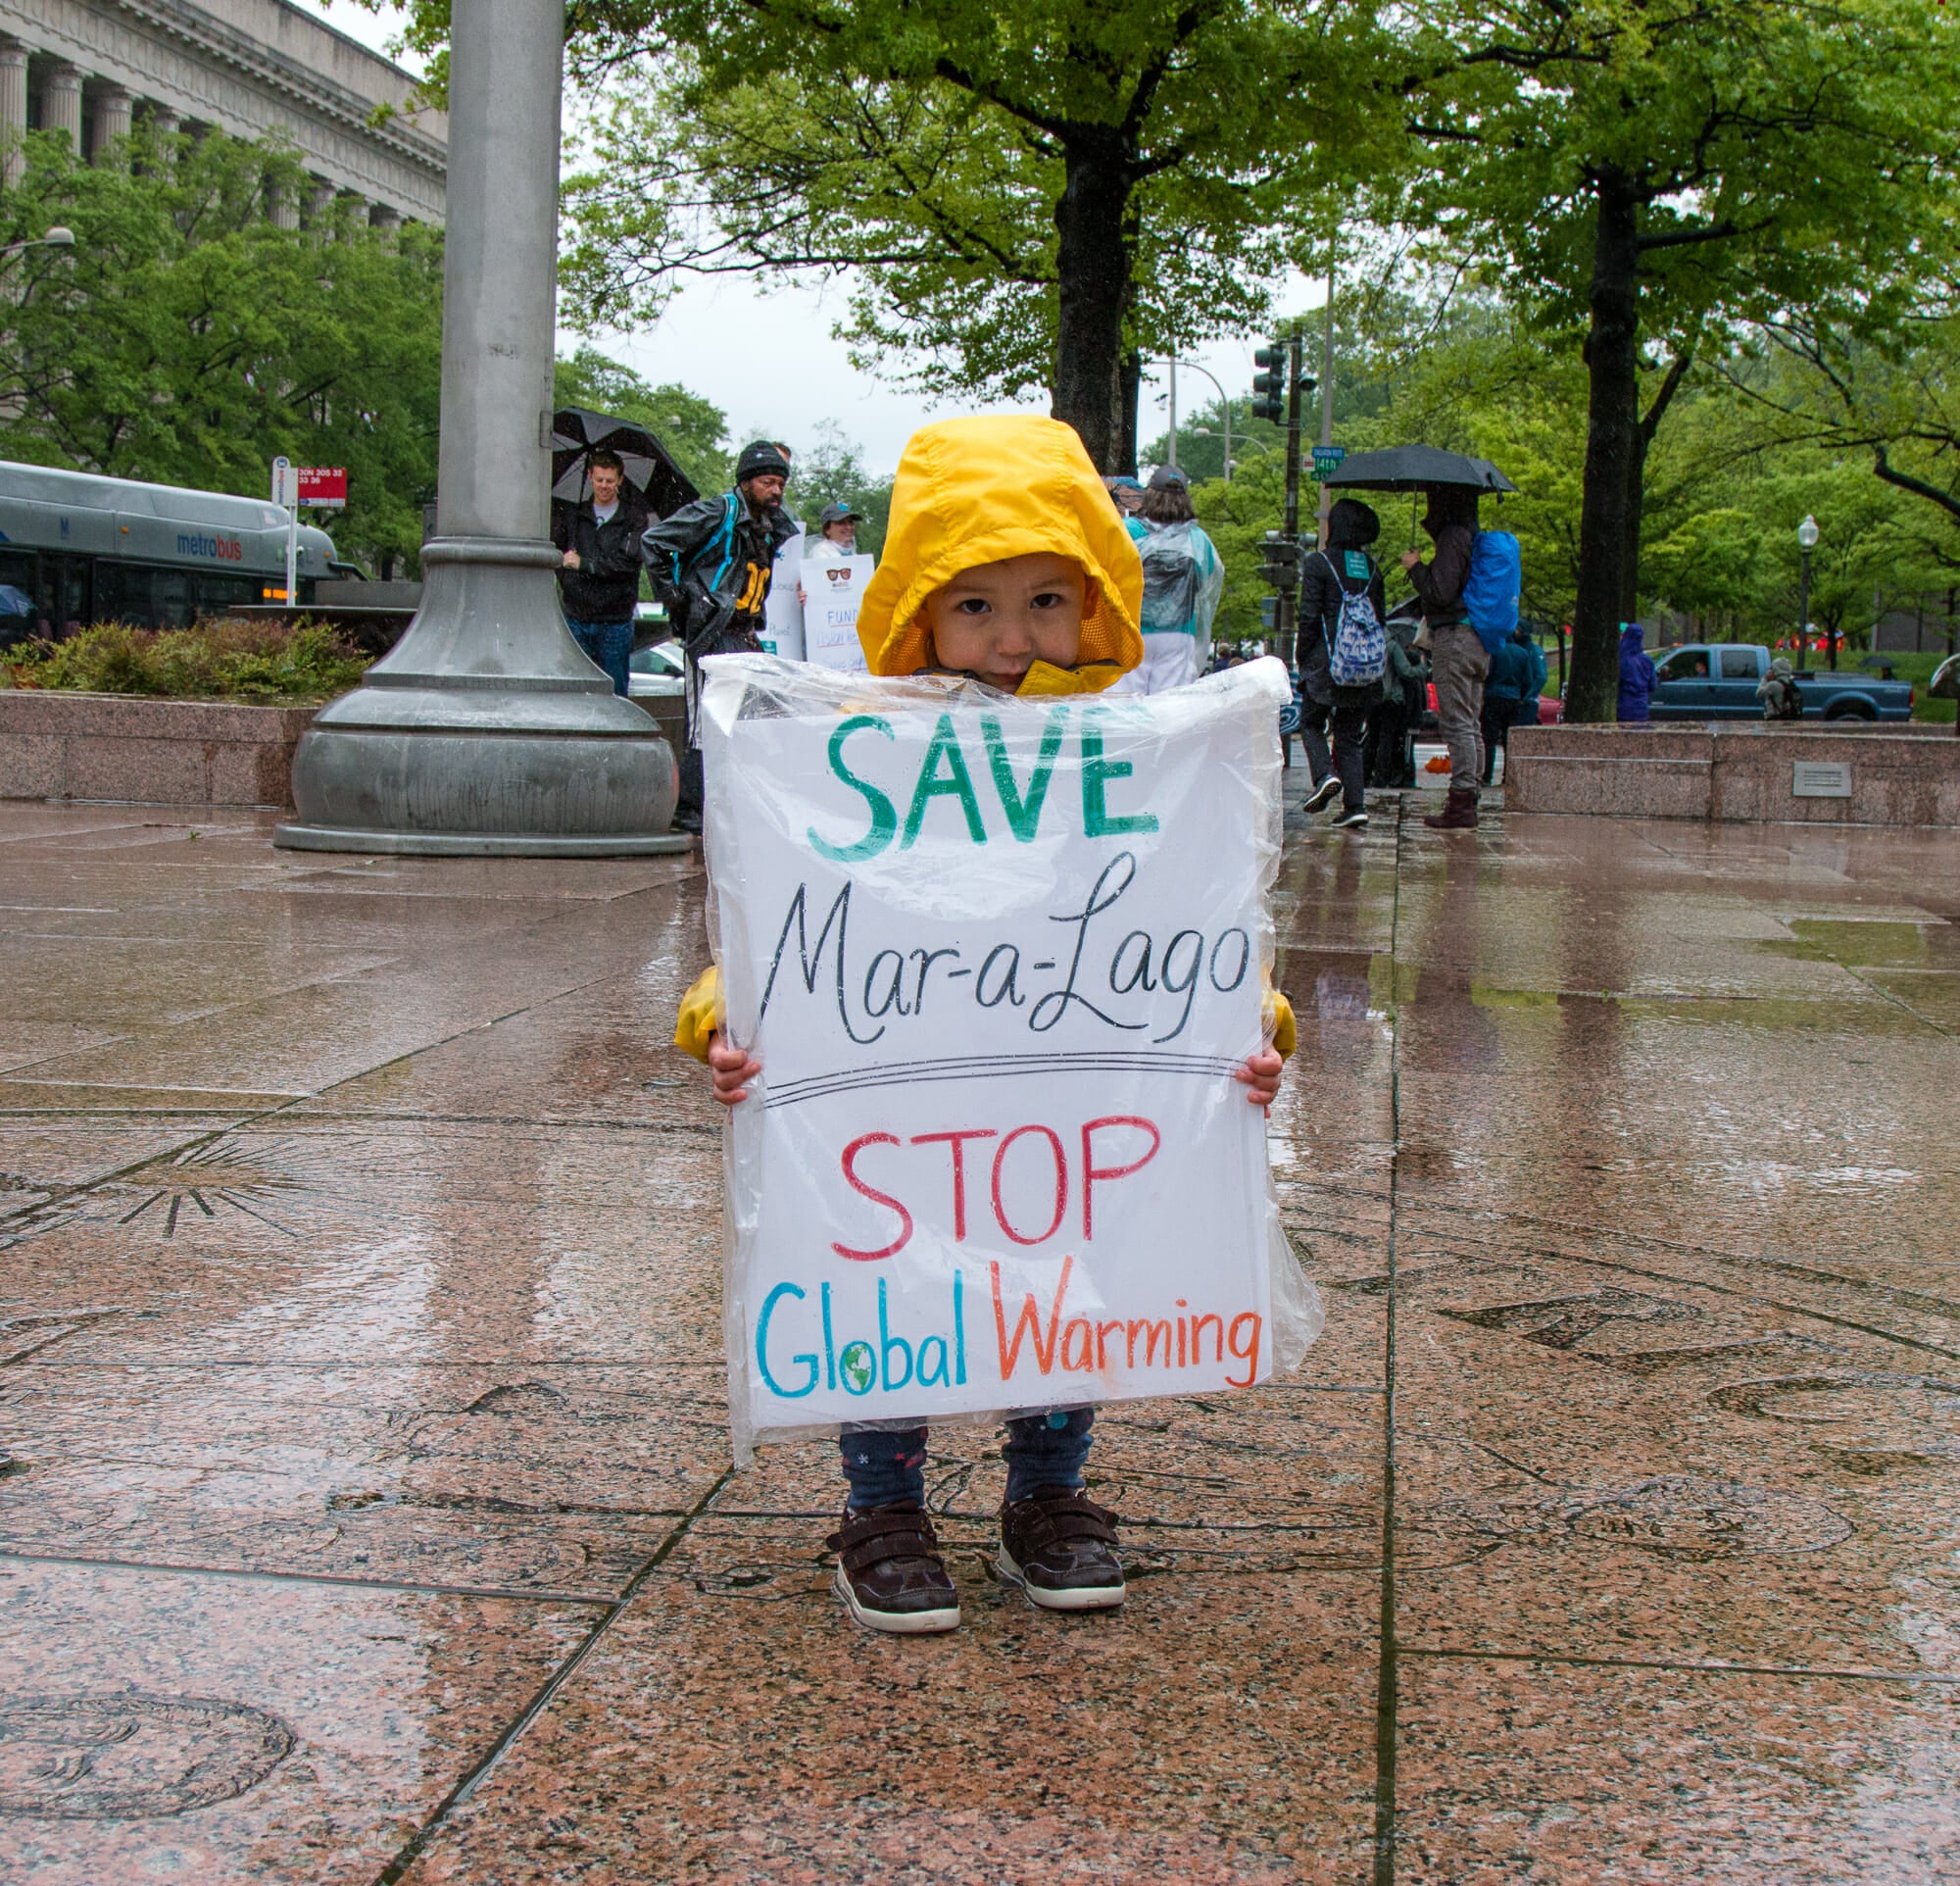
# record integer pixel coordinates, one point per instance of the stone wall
(58, 745)
(1746, 771)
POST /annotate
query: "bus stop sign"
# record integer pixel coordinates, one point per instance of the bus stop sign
(322, 485)
(282, 484)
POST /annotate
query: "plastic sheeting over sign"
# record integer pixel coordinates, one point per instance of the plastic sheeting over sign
(1000, 959)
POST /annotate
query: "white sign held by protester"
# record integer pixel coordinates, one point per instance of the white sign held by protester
(782, 613)
(833, 592)
(1000, 959)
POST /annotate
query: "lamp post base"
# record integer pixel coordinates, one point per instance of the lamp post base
(436, 844)
(485, 733)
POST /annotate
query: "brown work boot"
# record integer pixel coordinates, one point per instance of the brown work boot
(889, 1572)
(1458, 813)
(1060, 1548)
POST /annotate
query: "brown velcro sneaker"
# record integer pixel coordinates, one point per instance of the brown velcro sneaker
(1060, 1548)
(889, 1572)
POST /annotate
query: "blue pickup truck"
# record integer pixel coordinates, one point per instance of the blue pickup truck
(1718, 680)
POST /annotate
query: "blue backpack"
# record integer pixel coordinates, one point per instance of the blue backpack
(1360, 650)
(1491, 590)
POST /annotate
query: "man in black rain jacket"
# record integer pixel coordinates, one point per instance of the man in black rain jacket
(599, 576)
(710, 566)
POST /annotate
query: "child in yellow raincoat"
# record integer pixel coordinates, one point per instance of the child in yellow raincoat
(1003, 561)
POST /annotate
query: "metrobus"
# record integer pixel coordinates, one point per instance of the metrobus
(77, 548)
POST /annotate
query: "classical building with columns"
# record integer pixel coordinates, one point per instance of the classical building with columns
(93, 69)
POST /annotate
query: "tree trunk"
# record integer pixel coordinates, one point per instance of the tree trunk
(1133, 387)
(1630, 553)
(1092, 292)
(1636, 478)
(1613, 376)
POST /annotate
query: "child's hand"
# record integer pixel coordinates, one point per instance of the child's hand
(734, 1067)
(1261, 1074)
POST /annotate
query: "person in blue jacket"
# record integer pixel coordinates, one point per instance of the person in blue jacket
(1636, 674)
(1535, 689)
(1505, 686)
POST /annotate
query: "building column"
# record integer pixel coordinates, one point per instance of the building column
(113, 111)
(319, 202)
(13, 112)
(281, 210)
(164, 125)
(61, 105)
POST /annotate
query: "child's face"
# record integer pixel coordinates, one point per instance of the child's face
(998, 620)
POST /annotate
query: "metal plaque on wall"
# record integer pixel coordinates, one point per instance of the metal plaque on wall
(1821, 778)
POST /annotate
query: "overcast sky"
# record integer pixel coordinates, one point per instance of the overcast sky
(766, 357)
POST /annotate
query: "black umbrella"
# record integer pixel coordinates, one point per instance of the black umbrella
(1417, 468)
(650, 467)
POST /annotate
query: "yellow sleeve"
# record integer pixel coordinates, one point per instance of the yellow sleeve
(1279, 1016)
(694, 1025)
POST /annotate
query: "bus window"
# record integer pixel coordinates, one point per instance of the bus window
(171, 605)
(123, 594)
(216, 594)
(61, 596)
(16, 596)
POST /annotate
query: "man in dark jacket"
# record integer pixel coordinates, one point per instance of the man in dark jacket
(709, 565)
(1327, 578)
(1456, 652)
(599, 553)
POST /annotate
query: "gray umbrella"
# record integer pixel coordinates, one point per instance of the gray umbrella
(1417, 468)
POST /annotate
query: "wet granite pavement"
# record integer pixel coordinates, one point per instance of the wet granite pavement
(366, 1512)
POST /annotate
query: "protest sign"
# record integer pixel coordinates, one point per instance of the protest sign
(782, 613)
(1000, 961)
(830, 615)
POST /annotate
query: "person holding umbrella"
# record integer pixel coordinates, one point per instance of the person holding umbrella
(1446, 587)
(598, 538)
(1458, 657)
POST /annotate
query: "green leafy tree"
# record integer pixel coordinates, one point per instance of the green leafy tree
(1894, 406)
(1022, 200)
(832, 470)
(694, 429)
(186, 340)
(1651, 174)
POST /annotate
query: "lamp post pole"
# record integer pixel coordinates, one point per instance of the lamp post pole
(485, 730)
(1224, 406)
(1327, 392)
(1806, 542)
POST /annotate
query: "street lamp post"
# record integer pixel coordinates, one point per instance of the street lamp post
(485, 731)
(1806, 542)
(56, 238)
(1224, 407)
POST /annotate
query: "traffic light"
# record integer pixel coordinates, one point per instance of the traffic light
(1279, 560)
(1269, 400)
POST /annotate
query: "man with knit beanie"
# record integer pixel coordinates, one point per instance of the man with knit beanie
(709, 565)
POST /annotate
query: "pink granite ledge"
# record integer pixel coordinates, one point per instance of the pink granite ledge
(1741, 772)
(60, 745)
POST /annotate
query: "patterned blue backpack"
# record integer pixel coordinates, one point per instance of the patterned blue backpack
(1359, 653)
